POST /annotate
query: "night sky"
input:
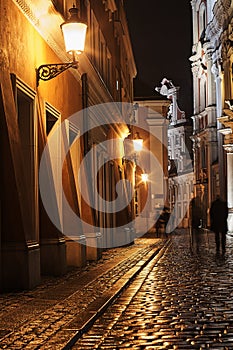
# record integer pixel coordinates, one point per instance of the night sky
(161, 35)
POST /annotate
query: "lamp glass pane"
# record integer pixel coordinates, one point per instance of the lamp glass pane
(74, 36)
(138, 144)
(144, 177)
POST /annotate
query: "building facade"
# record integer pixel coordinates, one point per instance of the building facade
(151, 123)
(36, 116)
(180, 164)
(211, 63)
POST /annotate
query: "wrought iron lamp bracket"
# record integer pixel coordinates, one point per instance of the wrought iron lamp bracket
(49, 71)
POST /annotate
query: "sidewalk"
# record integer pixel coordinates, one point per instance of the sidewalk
(60, 309)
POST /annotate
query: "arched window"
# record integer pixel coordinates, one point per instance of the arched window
(202, 20)
(202, 93)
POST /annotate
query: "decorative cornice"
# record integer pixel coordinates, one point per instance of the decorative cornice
(26, 8)
(197, 52)
(157, 121)
(153, 103)
(225, 131)
(227, 118)
(220, 11)
(228, 148)
(211, 109)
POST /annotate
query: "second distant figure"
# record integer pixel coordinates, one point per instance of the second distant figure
(196, 213)
(218, 219)
(196, 216)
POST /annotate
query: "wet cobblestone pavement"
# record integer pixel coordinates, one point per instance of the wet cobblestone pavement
(43, 318)
(181, 300)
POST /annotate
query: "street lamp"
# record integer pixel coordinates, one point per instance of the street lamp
(132, 149)
(74, 34)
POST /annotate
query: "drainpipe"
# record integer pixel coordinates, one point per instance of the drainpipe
(86, 149)
(85, 113)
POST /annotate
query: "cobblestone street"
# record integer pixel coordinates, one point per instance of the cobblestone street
(181, 300)
(154, 294)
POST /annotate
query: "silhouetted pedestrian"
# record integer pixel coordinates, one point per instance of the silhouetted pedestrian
(162, 221)
(196, 213)
(218, 219)
(196, 216)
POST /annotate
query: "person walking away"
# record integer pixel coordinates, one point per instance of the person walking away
(218, 220)
(196, 221)
(161, 223)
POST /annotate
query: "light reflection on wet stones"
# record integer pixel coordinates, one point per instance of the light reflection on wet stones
(184, 303)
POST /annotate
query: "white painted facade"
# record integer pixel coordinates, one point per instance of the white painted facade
(211, 64)
(180, 170)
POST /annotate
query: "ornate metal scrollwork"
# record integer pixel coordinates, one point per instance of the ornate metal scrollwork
(49, 71)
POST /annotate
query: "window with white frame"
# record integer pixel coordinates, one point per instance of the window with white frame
(72, 132)
(202, 93)
(202, 19)
(27, 127)
(52, 115)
